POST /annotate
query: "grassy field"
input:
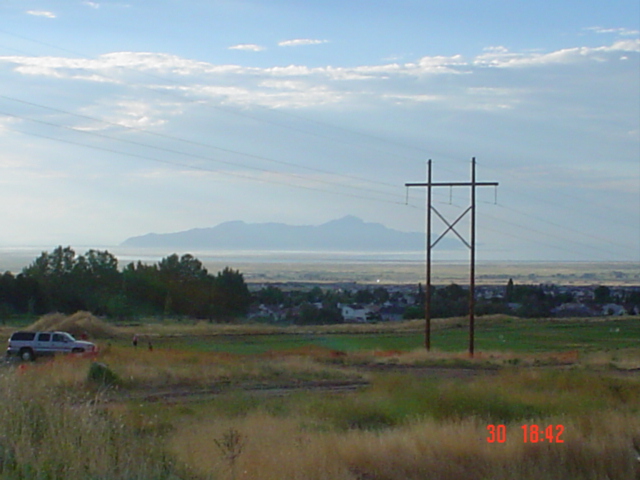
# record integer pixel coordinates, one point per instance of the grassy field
(493, 333)
(62, 420)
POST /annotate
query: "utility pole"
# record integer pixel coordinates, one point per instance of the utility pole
(451, 227)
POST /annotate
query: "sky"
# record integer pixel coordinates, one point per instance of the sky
(121, 118)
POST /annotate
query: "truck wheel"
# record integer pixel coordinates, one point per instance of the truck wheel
(27, 355)
(77, 350)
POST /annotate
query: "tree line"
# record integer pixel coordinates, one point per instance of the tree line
(65, 282)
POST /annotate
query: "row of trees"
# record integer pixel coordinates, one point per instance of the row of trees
(177, 285)
(66, 282)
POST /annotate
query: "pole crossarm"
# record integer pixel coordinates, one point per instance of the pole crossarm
(451, 228)
(453, 184)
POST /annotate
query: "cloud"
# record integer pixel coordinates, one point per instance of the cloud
(92, 4)
(6, 123)
(502, 58)
(301, 41)
(134, 114)
(111, 67)
(299, 86)
(41, 13)
(625, 32)
(248, 47)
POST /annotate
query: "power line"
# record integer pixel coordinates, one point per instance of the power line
(195, 143)
(565, 227)
(203, 169)
(168, 150)
(231, 111)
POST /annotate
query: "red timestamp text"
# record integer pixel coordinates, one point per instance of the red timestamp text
(531, 433)
(537, 433)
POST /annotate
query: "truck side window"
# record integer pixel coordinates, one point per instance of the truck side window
(44, 337)
(58, 338)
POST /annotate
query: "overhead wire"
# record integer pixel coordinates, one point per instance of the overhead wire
(195, 143)
(564, 227)
(256, 119)
(200, 168)
(227, 110)
(200, 157)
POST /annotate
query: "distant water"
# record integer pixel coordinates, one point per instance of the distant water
(14, 259)
(389, 267)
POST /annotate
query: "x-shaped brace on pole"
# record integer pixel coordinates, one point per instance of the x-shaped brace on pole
(450, 227)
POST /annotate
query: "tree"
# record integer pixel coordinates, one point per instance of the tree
(508, 294)
(187, 284)
(60, 279)
(315, 295)
(270, 295)
(143, 288)
(312, 315)
(420, 296)
(449, 301)
(602, 295)
(231, 295)
(380, 295)
(96, 274)
(364, 296)
(182, 269)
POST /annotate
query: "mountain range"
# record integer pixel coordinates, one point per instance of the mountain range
(345, 234)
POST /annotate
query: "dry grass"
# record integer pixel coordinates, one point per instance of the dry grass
(167, 369)
(598, 413)
(624, 360)
(180, 369)
(170, 329)
(274, 449)
(52, 433)
(188, 328)
(77, 324)
(279, 449)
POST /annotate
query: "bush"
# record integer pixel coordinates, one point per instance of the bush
(102, 375)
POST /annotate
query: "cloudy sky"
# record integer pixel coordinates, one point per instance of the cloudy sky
(120, 118)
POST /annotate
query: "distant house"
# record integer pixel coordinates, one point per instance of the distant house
(354, 313)
(613, 309)
(272, 313)
(573, 309)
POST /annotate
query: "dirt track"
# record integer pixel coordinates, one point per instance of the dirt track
(190, 394)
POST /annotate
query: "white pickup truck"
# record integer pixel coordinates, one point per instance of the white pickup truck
(29, 345)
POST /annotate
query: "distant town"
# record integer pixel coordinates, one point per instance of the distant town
(291, 302)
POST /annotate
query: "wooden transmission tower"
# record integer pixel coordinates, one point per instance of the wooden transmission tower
(471, 244)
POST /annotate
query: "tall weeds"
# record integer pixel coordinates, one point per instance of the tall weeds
(47, 433)
(406, 429)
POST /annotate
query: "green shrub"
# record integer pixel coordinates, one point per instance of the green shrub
(361, 414)
(102, 375)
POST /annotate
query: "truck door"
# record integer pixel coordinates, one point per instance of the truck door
(43, 343)
(60, 343)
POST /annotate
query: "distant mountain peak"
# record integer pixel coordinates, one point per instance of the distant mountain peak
(347, 219)
(348, 233)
